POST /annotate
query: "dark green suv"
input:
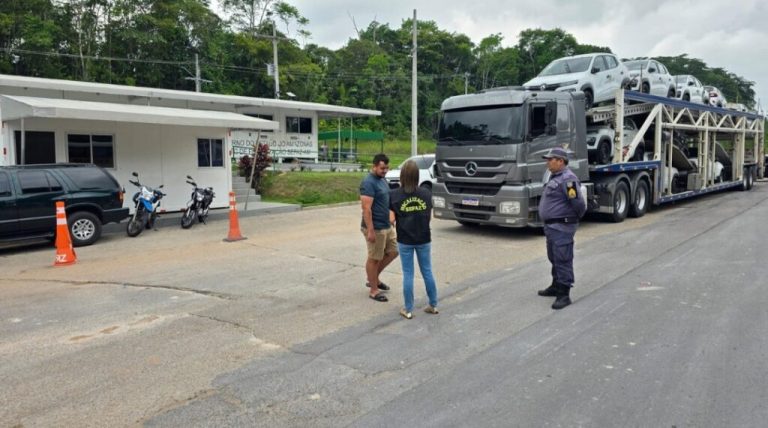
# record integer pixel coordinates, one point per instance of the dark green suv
(28, 196)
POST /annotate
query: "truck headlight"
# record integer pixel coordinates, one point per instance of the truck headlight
(512, 207)
(438, 201)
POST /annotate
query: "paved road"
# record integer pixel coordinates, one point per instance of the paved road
(176, 328)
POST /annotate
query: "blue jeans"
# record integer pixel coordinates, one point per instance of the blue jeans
(423, 254)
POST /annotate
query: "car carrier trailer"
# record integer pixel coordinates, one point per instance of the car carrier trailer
(490, 170)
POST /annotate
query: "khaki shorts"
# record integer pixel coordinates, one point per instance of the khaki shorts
(386, 243)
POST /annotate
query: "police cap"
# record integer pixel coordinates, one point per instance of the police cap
(557, 153)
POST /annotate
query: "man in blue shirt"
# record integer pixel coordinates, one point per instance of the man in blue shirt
(560, 208)
(377, 226)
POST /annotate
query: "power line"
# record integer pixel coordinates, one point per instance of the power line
(99, 58)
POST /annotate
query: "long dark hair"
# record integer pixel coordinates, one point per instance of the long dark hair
(409, 176)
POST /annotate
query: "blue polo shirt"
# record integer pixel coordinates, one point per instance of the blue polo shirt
(377, 188)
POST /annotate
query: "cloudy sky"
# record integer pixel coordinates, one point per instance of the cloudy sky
(730, 34)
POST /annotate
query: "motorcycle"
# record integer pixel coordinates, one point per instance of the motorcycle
(147, 202)
(198, 204)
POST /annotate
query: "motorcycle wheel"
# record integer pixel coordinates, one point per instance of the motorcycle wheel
(135, 225)
(188, 218)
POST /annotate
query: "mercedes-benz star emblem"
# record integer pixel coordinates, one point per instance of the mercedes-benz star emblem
(470, 168)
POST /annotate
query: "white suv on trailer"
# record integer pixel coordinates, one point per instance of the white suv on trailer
(689, 88)
(650, 77)
(598, 75)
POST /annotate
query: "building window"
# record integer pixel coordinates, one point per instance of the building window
(261, 116)
(298, 125)
(5, 185)
(39, 147)
(210, 152)
(95, 149)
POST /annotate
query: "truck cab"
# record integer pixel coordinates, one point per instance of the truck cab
(490, 145)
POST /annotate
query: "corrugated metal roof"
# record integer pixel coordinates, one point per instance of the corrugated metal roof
(323, 110)
(13, 107)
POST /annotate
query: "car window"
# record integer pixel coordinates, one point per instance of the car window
(599, 63)
(696, 82)
(612, 63)
(663, 69)
(88, 178)
(33, 182)
(566, 65)
(5, 185)
(653, 65)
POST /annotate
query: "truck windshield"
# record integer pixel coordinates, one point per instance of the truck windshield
(566, 65)
(499, 124)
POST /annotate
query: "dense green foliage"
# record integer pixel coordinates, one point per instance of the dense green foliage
(153, 43)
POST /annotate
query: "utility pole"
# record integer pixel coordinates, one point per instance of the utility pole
(198, 80)
(274, 53)
(466, 82)
(414, 90)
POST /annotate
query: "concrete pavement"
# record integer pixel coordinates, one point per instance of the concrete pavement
(178, 328)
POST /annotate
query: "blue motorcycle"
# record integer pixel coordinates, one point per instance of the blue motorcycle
(147, 202)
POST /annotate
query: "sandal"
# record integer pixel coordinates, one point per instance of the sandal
(382, 286)
(431, 310)
(379, 298)
(407, 315)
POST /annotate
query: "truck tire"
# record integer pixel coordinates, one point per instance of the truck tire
(639, 205)
(750, 178)
(84, 228)
(746, 180)
(620, 202)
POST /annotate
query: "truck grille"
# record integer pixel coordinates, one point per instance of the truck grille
(485, 189)
(474, 208)
(480, 163)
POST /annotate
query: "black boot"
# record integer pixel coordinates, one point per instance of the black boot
(550, 291)
(563, 296)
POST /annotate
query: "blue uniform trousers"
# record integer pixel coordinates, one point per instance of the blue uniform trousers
(560, 252)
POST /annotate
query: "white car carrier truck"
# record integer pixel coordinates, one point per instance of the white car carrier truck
(490, 170)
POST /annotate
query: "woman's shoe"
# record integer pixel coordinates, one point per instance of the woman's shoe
(431, 310)
(407, 315)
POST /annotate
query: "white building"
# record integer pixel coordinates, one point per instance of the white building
(162, 134)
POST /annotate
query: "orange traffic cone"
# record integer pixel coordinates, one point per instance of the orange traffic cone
(65, 254)
(234, 223)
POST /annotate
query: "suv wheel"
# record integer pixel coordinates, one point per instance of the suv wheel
(589, 99)
(84, 228)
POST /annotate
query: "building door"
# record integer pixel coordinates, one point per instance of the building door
(40, 147)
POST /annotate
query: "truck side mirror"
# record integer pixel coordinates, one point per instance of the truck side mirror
(550, 117)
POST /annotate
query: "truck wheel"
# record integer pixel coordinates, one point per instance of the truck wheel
(745, 180)
(640, 202)
(620, 202)
(84, 228)
(750, 179)
(604, 154)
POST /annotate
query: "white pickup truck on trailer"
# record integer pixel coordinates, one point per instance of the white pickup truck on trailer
(490, 170)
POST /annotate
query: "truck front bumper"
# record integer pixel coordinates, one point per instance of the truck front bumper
(512, 206)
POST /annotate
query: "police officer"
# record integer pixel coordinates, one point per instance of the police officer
(560, 209)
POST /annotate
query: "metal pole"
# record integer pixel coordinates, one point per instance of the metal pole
(466, 82)
(23, 143)
(414, 89)
(274, 51)
(338, 140)
(197, 74)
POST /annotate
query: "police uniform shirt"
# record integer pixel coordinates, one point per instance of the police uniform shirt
(561, 198)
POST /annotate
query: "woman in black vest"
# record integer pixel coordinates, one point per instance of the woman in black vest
(412, 206)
